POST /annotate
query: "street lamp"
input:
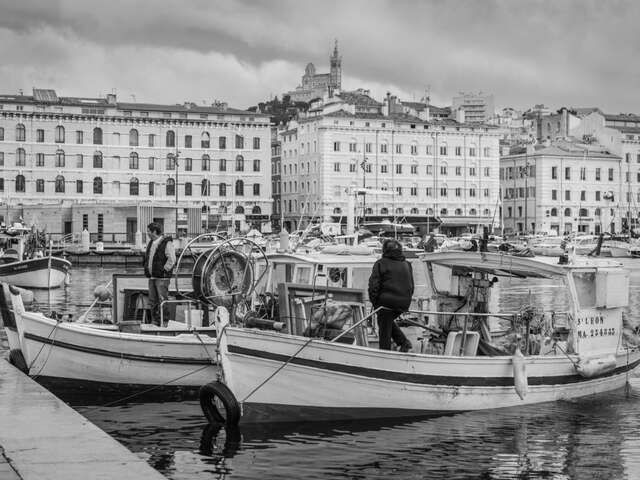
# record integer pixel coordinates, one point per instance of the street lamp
(363, 165)
(176, 189)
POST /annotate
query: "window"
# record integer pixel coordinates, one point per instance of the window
(368, 147)
(352, 167)
(222, 189)
(443, 191)
(40, 185)
(222, 143)
(223, 165)
(472, 192)
(20, 184)
(21, 133)
(256, 143)
(554, 173)
(152, 187)
(429, 169)
(598, 174)
(256, 165)
(239, 141)
(60, 158)
(2, 159)
(97, 185)
(1, 134)
(170, 187)
(239, 187)
(567, 212)
(384, 148)
(399, 168)
(554, 194)
(458, 151)
(414, 169)
(152, 163)
(188, 141)
(398, 148)
(472, 171)
(133, 161)
(336, 146)
(384, 168)
(414, 149)
(567, 173)
(171, 162)
(399, 191)
(21, 157)
(256, 189)
(39, 160)
(472, 152)
(429, 192)
(205, 188)
(458, 171)
(583, 173)
(458, 191)
(336, 166)
(59, 184)
(443, 211)
(40, 135)
(583, 195)
(188, 164)
(443, 150)
(152, 140)
(597, 195)
(353, 147)
(414, 191)
(627, 158)
(170, 139)
(205, 140)
(611, 174)
(188, 189)
(134, 187)
(443, 169)
(567, 194)
(97, 136)
(133, 137)
(206, 163)
(239, 163)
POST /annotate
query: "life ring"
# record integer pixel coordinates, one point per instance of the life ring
(16, 358)
(219, 404)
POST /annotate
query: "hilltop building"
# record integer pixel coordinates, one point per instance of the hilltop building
(478, 107)
(314, 85)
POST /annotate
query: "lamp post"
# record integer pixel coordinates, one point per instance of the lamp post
(526, 195)
(176, 190)
(363, 164)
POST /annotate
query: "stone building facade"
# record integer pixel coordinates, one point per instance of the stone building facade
(315, 85)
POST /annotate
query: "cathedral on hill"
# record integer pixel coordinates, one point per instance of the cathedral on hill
(315, 85)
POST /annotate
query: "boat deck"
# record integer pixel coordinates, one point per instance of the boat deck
(43, 438)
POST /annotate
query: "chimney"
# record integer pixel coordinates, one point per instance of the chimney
(460, 117)
(111, 98)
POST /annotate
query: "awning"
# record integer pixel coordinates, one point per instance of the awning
(460, 221)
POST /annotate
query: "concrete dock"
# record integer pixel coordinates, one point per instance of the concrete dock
(43, 438)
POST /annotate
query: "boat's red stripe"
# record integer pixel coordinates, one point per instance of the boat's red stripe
(421, 379)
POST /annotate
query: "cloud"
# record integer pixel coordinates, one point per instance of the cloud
(575, 52)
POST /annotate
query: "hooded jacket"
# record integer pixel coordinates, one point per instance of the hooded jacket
(391, 282)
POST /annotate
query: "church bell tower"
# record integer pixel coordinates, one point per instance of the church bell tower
(335, 74)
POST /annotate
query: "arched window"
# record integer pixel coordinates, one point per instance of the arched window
(188, 189)
(21, 157)
(554, 212)
(206, 163)
(337, 211)
(567, 212)
(399, 211)
(20, 184)
(239, 187)
(152, 187)
(21, 133)
(205, 188)
(443, 211)
(134, 187)
(133, 137)
(222, 189)
(171, 139)
(368, 210)
(97, 185)
(97, 136)
(134, 161)
(59, 184)
(473, 212)
(59, 134)
(239, 163)
(1, 134)
(458, 211)
(256, 210)
(384, 211)
(171, 187)
(239, 209)
(486, 212)
(97, 160)
(60, 158)
(205, 140)
(40, 185)
(584, 212)
(430, 211)
(171, 162)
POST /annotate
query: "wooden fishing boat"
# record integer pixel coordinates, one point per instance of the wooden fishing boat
(560, 355)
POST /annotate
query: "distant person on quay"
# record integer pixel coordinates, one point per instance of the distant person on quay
(159, 262)
(431, 244)
(391, 286)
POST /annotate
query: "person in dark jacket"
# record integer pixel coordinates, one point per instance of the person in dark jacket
(391, 286)
(159, 261)
(431, 244)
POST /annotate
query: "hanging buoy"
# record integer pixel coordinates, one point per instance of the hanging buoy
(593, 367)
(520, 382)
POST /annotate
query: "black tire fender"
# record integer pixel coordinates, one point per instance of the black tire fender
(16, 358)
(217, 390)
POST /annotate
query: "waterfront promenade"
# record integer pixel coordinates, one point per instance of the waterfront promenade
(43, 438)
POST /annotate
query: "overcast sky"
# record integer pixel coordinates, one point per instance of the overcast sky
(560, 53)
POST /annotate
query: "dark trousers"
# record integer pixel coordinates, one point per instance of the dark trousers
(387, 329)
(158, 293)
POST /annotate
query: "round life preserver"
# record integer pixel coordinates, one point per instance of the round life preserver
(219, 404)
(16, 358)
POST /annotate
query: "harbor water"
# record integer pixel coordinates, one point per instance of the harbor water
(591, 438)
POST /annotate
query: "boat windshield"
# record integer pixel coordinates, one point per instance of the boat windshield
(585, 288)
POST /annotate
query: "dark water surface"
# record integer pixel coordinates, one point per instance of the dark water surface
(593, 438)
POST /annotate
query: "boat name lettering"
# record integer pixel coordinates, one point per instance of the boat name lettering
(597, 320)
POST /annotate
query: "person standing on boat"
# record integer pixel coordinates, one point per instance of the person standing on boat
(391, 286)
(159, 261)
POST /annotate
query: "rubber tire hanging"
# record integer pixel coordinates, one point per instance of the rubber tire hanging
(208, 394)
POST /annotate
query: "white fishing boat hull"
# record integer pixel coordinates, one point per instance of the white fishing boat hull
(336, 381)
(78, 352)
(35, 273)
